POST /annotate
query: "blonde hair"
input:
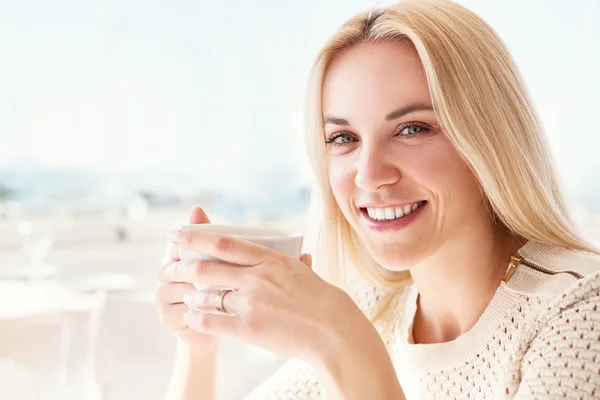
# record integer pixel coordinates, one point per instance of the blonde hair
(482, 105)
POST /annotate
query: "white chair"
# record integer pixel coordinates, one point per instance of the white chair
(53, 351)
(135, 352)
(34, 353)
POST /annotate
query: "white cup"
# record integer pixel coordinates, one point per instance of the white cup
(283, 241)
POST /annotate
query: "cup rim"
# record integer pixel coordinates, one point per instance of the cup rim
(261, 232)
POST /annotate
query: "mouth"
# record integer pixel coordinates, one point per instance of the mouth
(393, 217)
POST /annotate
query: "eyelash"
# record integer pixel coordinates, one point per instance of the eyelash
(426, 129)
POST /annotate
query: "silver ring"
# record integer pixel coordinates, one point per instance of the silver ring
(219, 301)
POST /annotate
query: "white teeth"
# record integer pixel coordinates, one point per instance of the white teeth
(390, 213)
(399, 212)
(372, 213)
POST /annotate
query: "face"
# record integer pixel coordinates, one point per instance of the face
(395, 175)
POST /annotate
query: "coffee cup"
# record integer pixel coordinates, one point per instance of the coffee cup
(280, 240)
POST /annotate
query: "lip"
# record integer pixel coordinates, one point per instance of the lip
(393, 225)
(388, 205)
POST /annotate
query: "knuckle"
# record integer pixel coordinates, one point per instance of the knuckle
(186, 237)
(224, 243)
(201, 268)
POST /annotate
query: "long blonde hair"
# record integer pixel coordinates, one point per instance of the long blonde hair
(482, 105)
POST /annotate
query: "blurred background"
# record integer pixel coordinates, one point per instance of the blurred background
(117, 116)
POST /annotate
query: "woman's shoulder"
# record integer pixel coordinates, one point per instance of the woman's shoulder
(563, 352)
(561, 259)
(560, 277)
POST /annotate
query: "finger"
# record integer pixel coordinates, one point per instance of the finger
(227, 248)
(206, 301)
(173, 293)
(306, 259)
(171, 253)
(162, 272)
(213, 324)
(199, 216)
(214, 273)
(171, 316)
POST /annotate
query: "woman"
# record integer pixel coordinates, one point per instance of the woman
(435, 184)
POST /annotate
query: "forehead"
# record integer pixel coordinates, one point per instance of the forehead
(374, 78)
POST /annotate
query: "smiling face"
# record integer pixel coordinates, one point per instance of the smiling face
(395, 175)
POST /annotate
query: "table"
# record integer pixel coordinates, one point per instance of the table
(35, 313)
(21, 300)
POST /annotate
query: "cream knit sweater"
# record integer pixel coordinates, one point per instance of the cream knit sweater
(539, 338)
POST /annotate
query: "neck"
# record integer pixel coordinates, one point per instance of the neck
(457, 283)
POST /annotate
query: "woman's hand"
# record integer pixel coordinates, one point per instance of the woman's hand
(279, 303)
(169, 297)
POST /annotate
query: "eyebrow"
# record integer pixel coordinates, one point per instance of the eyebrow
(334, 120)
(408, 109)
(329, 119)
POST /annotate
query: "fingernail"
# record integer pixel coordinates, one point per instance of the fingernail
(171, 269)
(187, 315)
(188, 299)
(174, 236)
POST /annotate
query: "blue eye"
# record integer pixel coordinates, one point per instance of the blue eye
(413, 129)
(340, 139)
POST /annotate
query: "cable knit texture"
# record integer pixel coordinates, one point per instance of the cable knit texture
(539, 338)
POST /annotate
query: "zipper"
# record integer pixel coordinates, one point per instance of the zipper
(516, 260)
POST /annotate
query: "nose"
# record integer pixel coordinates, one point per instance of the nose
(373, 171)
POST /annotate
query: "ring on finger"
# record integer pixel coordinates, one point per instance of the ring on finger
(220, 308)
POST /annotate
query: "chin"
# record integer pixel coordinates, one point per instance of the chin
(395, 256)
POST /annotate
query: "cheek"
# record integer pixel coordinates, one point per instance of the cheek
(341, 179)
(446, 174)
